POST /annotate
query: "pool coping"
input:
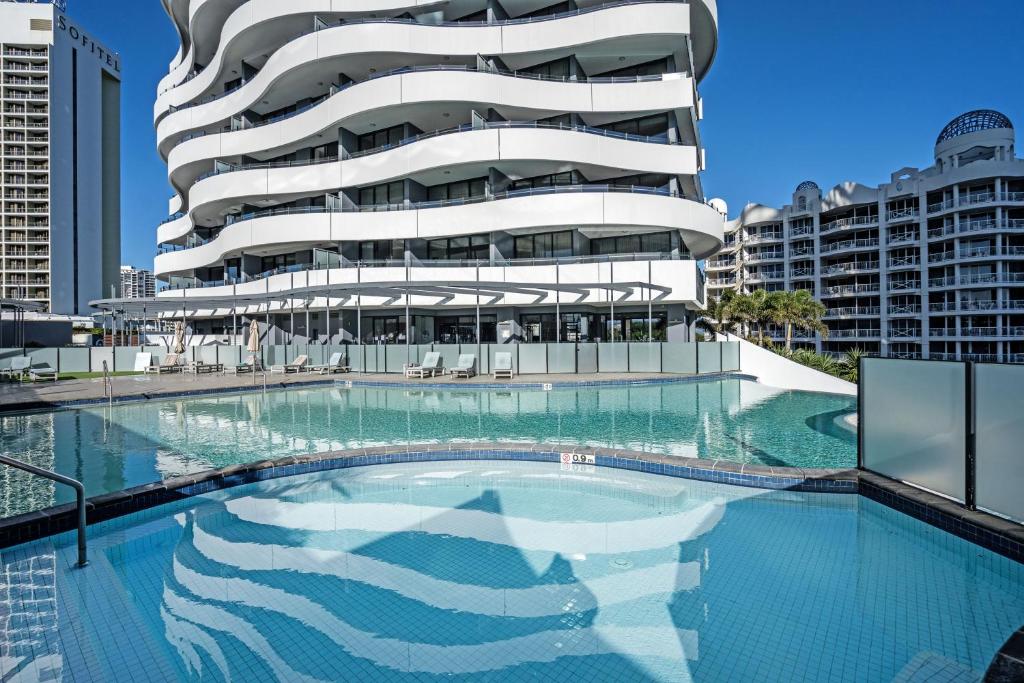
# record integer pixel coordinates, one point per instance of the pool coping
(994, 533)
(39, 524)
(553, 382)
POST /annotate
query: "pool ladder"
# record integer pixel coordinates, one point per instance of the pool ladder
(108, 386)
(60, 479)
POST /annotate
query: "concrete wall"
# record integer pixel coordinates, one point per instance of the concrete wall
(774, 370)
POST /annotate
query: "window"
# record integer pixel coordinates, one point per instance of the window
(461, 189)
(388, 193)
(544, 245)
(646, 125)
(461, 329)
(642, 179)
(269, 263)
(801, 204)
(380, 138)
(553, 180)
(558, 68)
(653, 243)
(474, 247)
(382, 250)
(652, 68)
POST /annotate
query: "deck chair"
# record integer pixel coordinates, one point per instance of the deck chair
(250, 364)
(466, 367)
(298, 365)
(19, 366)
(502, 365)
(335, 364)
(170, 363)
(42, 371)
(431, 366)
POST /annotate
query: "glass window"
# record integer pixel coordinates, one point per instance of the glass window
(659, 242)
(524, 247)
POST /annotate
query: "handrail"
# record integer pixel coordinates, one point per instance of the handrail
(108, 386)
(60, 479)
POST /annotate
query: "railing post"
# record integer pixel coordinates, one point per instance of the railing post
(970, 456)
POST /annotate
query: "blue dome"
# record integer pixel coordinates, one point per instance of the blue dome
(807, 185)
(972, 122)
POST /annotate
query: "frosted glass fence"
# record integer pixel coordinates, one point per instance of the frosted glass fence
(999, 438)
(950, 427)
(527, 359)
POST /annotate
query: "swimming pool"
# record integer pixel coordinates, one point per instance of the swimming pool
(509, 571)
(110, 449)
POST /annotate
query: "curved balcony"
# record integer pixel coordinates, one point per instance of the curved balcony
(673, 281)
(852, 223)
(527, 98)
(346, 48)
(494, 144)
(849, 246)
(581, 205)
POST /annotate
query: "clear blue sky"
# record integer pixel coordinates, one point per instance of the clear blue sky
(801, 89)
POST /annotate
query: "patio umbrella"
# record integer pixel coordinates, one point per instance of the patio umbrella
(254, 337)
(179, 338)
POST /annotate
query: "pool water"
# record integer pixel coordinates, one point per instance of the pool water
(508, 571)
(110, 449)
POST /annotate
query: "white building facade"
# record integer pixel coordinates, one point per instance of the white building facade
(61, 159)
(930, 264)
(137, 283)
(480, 161)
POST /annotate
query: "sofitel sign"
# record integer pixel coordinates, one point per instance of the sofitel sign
(76, 34)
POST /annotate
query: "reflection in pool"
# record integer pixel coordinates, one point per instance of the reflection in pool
(114, 448)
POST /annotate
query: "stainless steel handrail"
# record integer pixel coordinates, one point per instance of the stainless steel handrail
(60, 479)
(108, 386)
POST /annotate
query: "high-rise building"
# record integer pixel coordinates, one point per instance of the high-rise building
(358, 168)
(61, 159)
(930, 264)
(137, 283)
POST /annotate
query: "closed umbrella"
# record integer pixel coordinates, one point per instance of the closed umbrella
(179, 338)
(254, 337)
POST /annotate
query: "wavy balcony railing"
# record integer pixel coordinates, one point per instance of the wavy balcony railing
(335, 89)
(450, 24)
(191, 282)
(849, 244)
(223, 167)
(409, 206)
(848, 223)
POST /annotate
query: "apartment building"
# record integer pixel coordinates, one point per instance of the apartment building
(929, 264)
(137, 283)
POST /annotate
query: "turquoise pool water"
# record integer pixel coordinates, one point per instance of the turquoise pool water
(508, 571)
(109, 449)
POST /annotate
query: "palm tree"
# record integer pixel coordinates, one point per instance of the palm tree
(759, 312)
(718, 318)
(796, 309)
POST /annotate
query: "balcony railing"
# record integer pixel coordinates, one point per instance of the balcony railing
(842, 290)
(848, 223)
(849, 244)
(902, 214)
(903, 261)
(852, 311)
(904, 309)
(903, 285)
(855, 267)
(851, 334)
(942, 206)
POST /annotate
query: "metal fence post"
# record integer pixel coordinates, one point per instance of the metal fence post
(970, 457)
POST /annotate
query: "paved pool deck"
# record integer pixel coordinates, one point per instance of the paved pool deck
(28, 396)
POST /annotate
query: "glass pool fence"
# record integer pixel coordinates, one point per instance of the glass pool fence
(953, 428)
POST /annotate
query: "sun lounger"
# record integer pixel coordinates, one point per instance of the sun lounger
(298, 365)
(431, 366)
(19, 366)
(42, 372)
(170, 363)
(466, 367)
(335, 364)
(502, 365)
(251, 364)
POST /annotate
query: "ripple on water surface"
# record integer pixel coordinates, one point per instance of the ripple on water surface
(115, 448)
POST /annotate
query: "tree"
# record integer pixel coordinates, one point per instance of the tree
(796, 309)
(718, 318)
(757, 310)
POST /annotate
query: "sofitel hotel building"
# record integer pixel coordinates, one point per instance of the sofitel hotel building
(60, 157)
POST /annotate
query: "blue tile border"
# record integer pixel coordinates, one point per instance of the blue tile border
(993, 533)
(34, 525)
(333, 380)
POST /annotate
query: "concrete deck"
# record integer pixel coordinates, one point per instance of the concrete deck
(14, 396)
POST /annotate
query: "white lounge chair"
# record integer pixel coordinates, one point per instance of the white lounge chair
(335, 364)
(300, 364)
(502, 365)
(19, 366)
(42, 371)
(466, 367)
(170, 363)
(250, 364)
(431, 366)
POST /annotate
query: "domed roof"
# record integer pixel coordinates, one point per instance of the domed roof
(972, 122)
(807, 185)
